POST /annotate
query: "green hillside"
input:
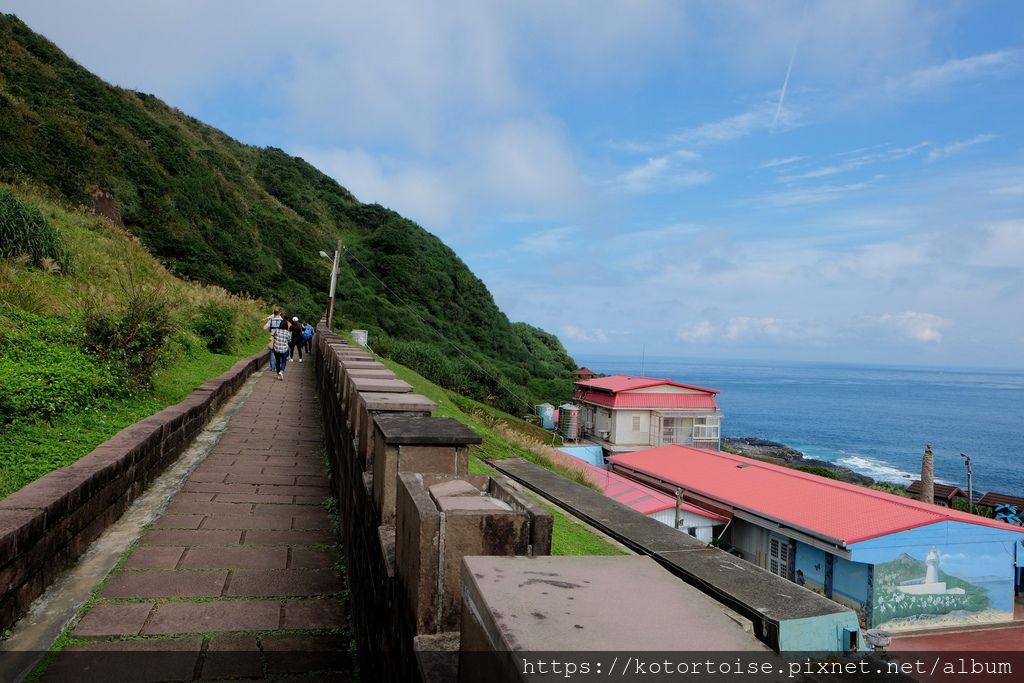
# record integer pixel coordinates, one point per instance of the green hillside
(253, 220)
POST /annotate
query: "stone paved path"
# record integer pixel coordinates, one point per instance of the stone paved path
(238, 577)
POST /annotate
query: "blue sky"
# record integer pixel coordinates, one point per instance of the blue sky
(764, 180)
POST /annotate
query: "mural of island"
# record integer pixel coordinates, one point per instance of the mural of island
(917, 592)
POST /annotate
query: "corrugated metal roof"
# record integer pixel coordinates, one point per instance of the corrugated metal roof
(616, 383)
(643, 499)
(650, 401)
(834, 510)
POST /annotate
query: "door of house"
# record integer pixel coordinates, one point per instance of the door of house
(778, 555)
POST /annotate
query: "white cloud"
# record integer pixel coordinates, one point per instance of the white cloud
(959, 146)
(808, 195)
(784, 161)
(699, 332)
(594, 335)
(423, 193)
(555, 241)
(921, 327)
(745, 328)
(737, 126)
(853, 162)
(663, 172)
(953, 71)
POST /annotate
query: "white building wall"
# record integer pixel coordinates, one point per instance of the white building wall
(702, 526)
(622, 428)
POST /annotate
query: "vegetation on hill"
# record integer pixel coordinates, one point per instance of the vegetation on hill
(96, 335)
(252, 220)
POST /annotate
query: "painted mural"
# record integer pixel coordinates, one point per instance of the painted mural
(942, 575)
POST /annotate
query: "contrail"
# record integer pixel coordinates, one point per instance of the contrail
(789, 69)
(785, 82)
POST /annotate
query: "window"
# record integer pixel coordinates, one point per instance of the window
(636, 423)
(705, 428)
(778, 555)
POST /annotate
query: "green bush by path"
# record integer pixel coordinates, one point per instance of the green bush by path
(25, 232)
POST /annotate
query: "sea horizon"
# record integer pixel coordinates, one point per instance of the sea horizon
(875, 419)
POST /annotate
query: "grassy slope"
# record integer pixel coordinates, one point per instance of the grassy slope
(45, 310)
(568, 537)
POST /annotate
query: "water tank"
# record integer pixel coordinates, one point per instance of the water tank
(546, 412)
(569, 421)
(360, 337)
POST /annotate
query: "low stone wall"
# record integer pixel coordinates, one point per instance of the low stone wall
(48, 524)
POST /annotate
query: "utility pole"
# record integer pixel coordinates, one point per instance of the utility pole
(334, 283)
(679, 504)
(970, 483)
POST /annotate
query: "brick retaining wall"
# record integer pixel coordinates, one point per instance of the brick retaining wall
(48, 524)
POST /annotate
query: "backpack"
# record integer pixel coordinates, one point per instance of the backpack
(307, 331)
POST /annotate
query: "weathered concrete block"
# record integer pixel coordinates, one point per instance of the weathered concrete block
(517, 605)
(435, 445)
(370, 403)
(433, 534)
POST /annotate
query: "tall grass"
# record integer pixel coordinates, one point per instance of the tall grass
(25, 232)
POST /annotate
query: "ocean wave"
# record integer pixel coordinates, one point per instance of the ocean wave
(876, 469)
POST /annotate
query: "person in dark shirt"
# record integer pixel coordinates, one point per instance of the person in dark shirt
(296, 342)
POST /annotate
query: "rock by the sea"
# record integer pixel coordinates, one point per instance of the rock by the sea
(781, 454)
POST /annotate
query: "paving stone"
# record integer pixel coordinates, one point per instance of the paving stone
(273, 480)
(246, 522)
(267, 583)
(232, 657)
(162, 583)
(113, 620)
(203, 617)
(312, 558)
(202, 508)
(178, 522)
(208, 487)
(299, 654)
(252, 498)
(293, 537)
(318, 491)
(290, 509)
(236, 558)
(207, 477)
(314, 613)
(132, 661)
(155, 557)
(197, 537)
(313, 521)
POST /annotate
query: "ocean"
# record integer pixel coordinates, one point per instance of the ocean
(875, 420)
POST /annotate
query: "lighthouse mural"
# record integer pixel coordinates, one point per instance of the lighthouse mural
(922, 583)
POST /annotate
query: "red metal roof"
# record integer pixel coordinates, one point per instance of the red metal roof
(617, 383)
(650, 401)
(839, 512)
(586, 371)
(643, 499)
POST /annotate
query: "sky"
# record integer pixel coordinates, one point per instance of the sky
(786, 180)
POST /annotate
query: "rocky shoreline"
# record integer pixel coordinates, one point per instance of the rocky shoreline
(781, 454)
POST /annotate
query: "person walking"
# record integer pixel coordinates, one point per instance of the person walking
(307, 337)
(296, 342)
(282, 337)
(273, 322)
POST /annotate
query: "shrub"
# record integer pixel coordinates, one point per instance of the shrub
(133, 337)
(24, 231)
(44, 380)
(217, 324)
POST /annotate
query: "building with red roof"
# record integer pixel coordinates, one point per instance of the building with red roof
(902, 563)
(627, 413)
(693, 520)
(585, 373)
